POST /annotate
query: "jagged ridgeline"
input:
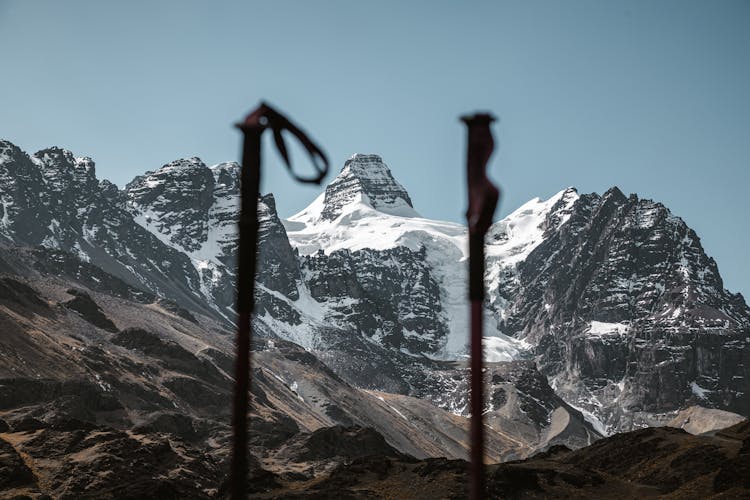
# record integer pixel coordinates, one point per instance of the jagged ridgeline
(606, 305)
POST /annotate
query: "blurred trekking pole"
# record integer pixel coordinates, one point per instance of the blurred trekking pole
(262, 118)
(483, 196)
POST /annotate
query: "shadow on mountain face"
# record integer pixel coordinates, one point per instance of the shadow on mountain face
(84, 305)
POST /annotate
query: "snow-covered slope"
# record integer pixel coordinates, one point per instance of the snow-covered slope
(513, 238)
(510, 241)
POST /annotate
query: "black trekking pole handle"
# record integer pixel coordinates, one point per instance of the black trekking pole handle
(483, 196)
(262, 118)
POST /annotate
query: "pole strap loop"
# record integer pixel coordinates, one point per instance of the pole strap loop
(266, 117)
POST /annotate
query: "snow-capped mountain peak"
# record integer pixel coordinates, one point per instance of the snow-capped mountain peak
(62, 169)
(365, 180)
(366, 207)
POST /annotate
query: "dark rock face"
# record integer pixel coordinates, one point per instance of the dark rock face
(272, 431)
(83, 304)
(19, 392)
(169, 354)
(169, 233)
(629, 315)
(346, 442)
(177, 424)
(182, 219)
(115, 464)
(193, 209)
(518, 398)
(24, 215)
(175, 309)
(278, 267)
(67, 266)
(388, 295)
(53, 199)
(15, 292)
(13, 471)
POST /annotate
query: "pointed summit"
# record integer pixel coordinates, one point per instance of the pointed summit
(366, 179)
(60, 167)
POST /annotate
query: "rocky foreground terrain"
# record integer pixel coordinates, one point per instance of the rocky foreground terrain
(128, 397)
(654, 462)
(123, 393)
(116, 342)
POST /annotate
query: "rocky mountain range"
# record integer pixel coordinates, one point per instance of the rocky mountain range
(604, 315)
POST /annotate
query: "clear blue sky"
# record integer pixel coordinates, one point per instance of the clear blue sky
(651, 96)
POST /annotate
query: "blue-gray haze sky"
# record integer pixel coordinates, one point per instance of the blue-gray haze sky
(651, 96)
